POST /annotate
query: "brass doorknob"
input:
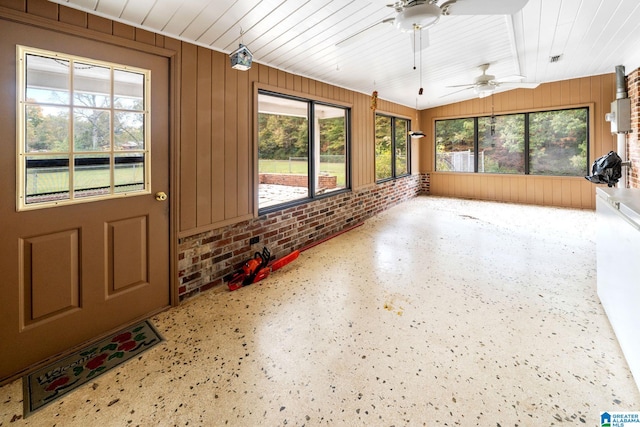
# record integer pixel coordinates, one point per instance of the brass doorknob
(161, 196)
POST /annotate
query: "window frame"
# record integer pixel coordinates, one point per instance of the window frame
(22, 52)
(393, 158)
(311, 168)
(526, 113)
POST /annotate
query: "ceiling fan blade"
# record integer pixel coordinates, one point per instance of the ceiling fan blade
(483, 7)
(525, 85)
(465, 85)
(507, 79)
(520, 85)
(457, 91)
(398, 6)
(362, 34)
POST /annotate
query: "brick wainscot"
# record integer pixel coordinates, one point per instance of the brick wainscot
(204, 259)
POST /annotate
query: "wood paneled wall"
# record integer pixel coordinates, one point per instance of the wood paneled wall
(597, 92)
(213, 117)
(217, 135)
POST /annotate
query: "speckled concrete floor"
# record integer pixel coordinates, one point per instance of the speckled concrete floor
(438, 312)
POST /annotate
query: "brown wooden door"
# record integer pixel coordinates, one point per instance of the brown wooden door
(72, 273)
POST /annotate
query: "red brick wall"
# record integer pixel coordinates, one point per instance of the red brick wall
(633, 143)
(204, 259)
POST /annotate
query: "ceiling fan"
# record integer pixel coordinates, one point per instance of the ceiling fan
(414, 15)
(485, 84)
(418, 15)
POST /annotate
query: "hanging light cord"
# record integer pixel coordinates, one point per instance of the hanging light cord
(421, 89)
(414, 48)
(493, 119)
(420, 60)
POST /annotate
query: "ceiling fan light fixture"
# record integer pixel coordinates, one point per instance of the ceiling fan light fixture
(418, 17)
(484, 89)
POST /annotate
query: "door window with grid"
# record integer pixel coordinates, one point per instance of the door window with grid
(83, 129)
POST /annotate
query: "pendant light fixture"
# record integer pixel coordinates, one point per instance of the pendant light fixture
(416, 134)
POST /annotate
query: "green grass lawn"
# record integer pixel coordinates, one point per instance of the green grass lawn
(300, 167)
(53, 181)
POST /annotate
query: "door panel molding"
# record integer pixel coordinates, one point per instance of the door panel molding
(50, 280)
(127, 262)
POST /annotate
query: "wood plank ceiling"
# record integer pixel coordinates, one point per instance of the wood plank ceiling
(307, 37)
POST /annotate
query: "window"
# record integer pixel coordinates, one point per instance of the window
(558, 142)
(455, 148)
(537, 143)
(82, 129)
(392, 147)
(302, 149)
(501, 144)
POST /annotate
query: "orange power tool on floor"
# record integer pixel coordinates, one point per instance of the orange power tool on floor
(257, 268)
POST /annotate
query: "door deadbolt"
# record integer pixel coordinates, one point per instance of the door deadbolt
(161, 196)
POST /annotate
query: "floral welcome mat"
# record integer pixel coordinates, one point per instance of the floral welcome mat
(61, 377)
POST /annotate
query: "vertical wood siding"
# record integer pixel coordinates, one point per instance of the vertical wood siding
(217, 166)
(573, 192)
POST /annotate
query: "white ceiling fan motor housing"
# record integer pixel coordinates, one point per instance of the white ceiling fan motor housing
(418, 17)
